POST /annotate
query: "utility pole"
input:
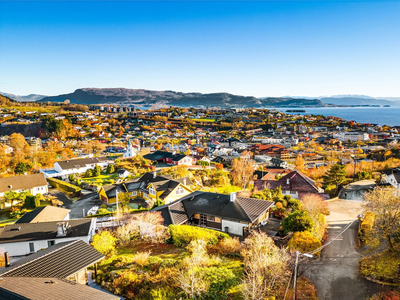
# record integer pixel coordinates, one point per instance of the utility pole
(295, 270)
(116, 200)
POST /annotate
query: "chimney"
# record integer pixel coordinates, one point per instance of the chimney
(287, 181)
(6, 259)
(154, 174)
(233, 197)
(61, 230)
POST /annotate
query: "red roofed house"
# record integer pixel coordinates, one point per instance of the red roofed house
(295, 184)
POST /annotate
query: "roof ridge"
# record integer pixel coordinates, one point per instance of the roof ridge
(238, 200)
(48, 222)
(47, 254)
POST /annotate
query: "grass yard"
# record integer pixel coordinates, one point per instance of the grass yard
(382, 266)
(103, 179)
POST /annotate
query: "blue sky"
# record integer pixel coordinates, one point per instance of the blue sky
(261, 48)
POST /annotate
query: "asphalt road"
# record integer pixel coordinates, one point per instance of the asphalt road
(335, 275)
(356, 190)
(86, 203)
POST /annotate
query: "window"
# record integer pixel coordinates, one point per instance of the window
(179, 190)
(50, 243)
(134, 193)
(211, 218)
(146, 195)
(152, 191)
(31, 247)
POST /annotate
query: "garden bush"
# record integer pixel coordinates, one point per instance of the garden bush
(304, 242)
(299, 220)
(366, 227)
(184, 234)
(230, 246)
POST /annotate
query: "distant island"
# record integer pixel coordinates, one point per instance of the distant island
(144, 99)
(296, 110)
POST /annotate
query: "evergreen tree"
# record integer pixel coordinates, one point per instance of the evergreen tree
(334, 177)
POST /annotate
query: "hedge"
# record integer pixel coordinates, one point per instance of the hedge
(366, 226)
(184, 234)
(68, 187)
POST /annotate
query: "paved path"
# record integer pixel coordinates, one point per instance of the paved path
(335, 275)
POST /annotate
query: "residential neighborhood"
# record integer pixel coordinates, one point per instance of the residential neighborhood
(134, 190)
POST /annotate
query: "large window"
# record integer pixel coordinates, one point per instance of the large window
(134, 193)
(152, 191)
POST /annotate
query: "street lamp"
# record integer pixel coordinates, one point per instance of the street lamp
(295, 270)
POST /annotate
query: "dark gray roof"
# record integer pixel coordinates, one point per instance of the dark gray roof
(80, 163)
(164, 154)
(23, 288)
(23, 182)
(59, 261)
(22, 232)
(219, 205)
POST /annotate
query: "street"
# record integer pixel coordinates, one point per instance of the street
(335, 275)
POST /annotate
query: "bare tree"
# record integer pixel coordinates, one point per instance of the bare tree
(265, 265)
(385, 204)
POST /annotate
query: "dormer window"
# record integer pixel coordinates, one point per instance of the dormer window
(152, 191)
(179, 190)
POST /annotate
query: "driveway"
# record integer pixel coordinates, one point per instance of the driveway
(335, 275)
(80, 208)
(356, 190)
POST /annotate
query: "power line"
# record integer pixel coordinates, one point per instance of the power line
(334, 238)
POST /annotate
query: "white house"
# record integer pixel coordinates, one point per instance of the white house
(393, 177)
(33, 183)
(24, 238)
(75, 166)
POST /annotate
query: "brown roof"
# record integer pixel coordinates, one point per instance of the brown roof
(44, 214)
(22, 232)
(22, 288)
(59, 261)
(23, 182)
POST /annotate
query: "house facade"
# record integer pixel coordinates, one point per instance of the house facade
(171, 158)
(149, 187)
(227, 213)
(25, 238)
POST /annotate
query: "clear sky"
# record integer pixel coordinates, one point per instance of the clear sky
(261, 48)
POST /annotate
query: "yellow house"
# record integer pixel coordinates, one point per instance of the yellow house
(149, 188)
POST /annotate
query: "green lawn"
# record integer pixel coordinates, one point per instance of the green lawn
(102, 179)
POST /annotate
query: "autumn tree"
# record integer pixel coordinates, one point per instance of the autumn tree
(299, 163)
(265, 267)
(242, 172)
(385, 204)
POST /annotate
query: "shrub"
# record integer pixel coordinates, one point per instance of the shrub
(168, 263)
(366, 227)
(299, 220)
(142, 258)
(104, 242)
(70, 188)
(230, 246)
(304, 242)
(184, 234)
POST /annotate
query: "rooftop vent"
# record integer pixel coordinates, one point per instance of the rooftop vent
(233, 197)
